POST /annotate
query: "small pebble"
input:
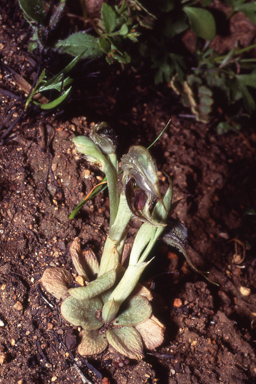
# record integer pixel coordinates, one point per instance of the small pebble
(2, 357)
(49, 326)
(1, 323)
(177, 303)
(245, 291)
(18, 306)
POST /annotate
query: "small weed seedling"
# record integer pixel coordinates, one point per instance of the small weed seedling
(111, 306)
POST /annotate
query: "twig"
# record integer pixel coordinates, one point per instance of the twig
(6, 133)
(7, 119)
(83, 378)
(43, 297)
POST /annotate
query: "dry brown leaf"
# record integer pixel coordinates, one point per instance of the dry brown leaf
(152, 332)
(55, 280)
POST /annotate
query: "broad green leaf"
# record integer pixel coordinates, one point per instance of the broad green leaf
(201, 21)
(104, 44)
(247, 80)
(34, 10)
(80, 42)
(92, 342)
(127, 341)
(82, 312)
(137, 309)
(108, 17)
(249, 10)
(123, 30)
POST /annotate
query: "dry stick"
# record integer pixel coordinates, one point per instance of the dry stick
(7, 119)
(6, 133)
(83, 378)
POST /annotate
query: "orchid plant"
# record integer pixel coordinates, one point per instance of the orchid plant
(111, 306)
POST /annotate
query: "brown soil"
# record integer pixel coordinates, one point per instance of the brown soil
(211, 331)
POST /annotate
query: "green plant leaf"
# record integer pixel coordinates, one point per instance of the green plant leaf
(201, 21)
(127, 341)
(56, 82)
(92, 342)
(55, 18)
(96, 287)
(80, 42)
(248, 80)
(137, 309)
(82, 312)
(34, 10)
(109, 310)
(108, 17)
(124, 30)
(249, 10)
(104, 44)
(56, 102)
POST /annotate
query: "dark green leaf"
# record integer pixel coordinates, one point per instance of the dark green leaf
(249, 10)
(247, 80)
(247, 97)
(80, 42)
(57, 101)
(82, 312)
(108, 17)
(202, 22)
(34, 10)
(104, 44)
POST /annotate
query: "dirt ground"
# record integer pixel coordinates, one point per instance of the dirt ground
(210, 330)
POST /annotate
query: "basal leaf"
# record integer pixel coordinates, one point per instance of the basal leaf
(82, 312)
(127, 341)
(92, 342)
(152, 332)
(202, 22)
(79, 42)
(136, 310)
(96, 287)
